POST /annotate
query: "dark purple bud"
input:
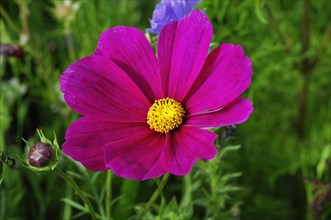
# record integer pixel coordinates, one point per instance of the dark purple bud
(14, 50)
(40, 155)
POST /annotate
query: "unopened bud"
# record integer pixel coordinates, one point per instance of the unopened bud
(9, 50)
(40, 155)
(43, 156)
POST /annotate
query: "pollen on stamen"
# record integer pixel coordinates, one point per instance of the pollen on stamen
(165, 115)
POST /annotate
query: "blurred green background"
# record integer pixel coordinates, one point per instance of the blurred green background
(277, 165)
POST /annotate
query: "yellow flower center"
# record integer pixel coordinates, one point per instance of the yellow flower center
(165, 115)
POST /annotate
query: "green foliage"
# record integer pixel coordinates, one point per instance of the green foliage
(277, 142)
(284, 146)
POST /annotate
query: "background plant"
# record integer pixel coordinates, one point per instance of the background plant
(279, 172)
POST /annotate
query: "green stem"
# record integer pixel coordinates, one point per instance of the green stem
(24, 13)
(305, 72)
(9, 21)
(3, 173)
(2, 151)
(67, 210)
(68, 40)
(108, 195)
(80, 193)
(154, 196)
(187, 191)
(275, 25)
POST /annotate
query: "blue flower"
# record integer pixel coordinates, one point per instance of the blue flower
(170, 10)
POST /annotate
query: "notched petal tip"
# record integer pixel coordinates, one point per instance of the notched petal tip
(129, 48)
(226, 74)
(183, 48)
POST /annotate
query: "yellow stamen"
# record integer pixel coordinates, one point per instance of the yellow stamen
(165, 115)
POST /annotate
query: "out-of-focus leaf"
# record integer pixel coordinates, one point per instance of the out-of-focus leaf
(321, 166)
(258, 6)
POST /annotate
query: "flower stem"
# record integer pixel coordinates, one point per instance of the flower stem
(9, 21)
(154, 196)
(80, 193)
(187, 191)
(67, 209)
(305, 71)
(108, 195)
(275, 25)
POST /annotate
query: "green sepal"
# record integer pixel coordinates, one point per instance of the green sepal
(55, 152)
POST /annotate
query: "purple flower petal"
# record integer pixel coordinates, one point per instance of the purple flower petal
(165, 47)
(235, 112)
(226, 74)
(182, 52)
(94, 86)
(170, 10)
(136, 156)
(185, 146)
(86, 137)
(130, 50)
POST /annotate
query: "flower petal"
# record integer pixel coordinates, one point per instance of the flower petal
(226, 74)
(130, 50)
(165, 50)
(182, 51)
(94, 86)
(185, 146)
(86, 137)
(235, 112)
(169, 10)
(182, 8)
(161, 16)
(136, 156)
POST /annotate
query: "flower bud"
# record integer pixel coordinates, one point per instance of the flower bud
(14, 50)
(43, 156)
(40, 155)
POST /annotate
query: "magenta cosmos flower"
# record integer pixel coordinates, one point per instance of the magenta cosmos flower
(146, 115)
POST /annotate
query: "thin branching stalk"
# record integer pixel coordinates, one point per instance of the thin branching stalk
(9, 21)
(78, 190)
(187, 191)
(67, 210)
(24, 13)
(275, 25)
(325, 40)
(154, 196)
(305, 70)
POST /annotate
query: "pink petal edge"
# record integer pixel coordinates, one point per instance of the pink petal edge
(137, 156)
(227, 73)
(235, 112)
(185, 146)
(86, 138)
(182, 50)
(129, 48)
(96, 87)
